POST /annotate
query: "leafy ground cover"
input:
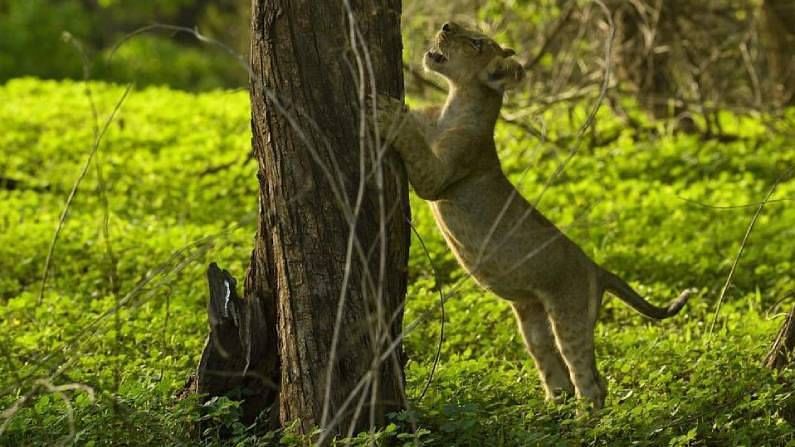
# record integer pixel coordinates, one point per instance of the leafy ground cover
(94, 361)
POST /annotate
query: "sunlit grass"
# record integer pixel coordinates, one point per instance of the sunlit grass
(179, 180)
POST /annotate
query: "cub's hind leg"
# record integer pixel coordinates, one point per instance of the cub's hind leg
(540, 341)
(573, 320)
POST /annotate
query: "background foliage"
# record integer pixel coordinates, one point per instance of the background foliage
(677, 57)
(33, 43)
(121, 323)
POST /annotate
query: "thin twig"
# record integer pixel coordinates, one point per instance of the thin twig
(733, 207)
(103, 196)
(440, 289)
(182, 29)
(742, 247)
(611, 34)
(73, 192)
(551, 36)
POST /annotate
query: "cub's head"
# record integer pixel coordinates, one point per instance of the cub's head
(466, 57)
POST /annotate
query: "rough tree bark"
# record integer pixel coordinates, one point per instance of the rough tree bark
(778, 36)
(332, 239)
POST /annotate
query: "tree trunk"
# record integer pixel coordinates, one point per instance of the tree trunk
(778, 37)
(329, 266)
(317, 335)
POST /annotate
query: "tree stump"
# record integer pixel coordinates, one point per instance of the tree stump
(234, 362)
(781, 353)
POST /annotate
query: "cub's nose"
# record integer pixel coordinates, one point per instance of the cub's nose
(447, 27)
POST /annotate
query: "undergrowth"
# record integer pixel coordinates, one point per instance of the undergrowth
(96, 363)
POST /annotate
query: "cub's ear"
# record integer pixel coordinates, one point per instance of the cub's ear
(503, 73)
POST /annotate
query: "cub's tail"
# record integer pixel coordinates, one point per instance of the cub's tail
(623, 291)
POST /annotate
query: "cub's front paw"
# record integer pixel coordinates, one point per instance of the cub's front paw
(386, 113)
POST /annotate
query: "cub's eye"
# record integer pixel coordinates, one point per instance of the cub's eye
(476, 44)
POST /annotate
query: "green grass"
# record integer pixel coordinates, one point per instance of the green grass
(182, 192)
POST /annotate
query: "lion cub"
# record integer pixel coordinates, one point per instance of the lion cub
(508, 246)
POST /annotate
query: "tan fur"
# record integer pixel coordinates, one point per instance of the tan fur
(508, 246)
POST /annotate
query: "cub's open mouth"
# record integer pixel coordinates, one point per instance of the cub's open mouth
(437, 57)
